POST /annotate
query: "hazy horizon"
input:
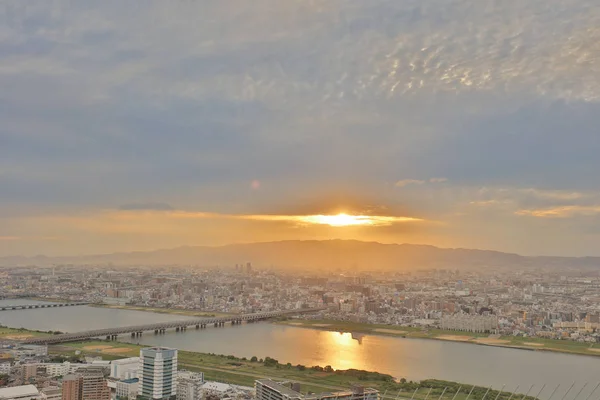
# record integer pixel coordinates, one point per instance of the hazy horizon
(130, 127)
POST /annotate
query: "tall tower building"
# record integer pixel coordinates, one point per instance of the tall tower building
(158, 373)
(72, 387)
(95, 386)
(86, 384)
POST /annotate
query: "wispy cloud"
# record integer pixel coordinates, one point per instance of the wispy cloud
(408, 182)
(340, 219)
(560, 212)
(146, 206)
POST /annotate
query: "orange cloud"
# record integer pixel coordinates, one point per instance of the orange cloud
(560, 212)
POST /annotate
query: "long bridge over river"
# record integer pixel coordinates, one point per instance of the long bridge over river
(43, 305)
(137, 330)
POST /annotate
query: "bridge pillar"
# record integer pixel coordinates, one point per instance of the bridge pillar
(133, 334)
(156, 331)
(108, 337)
(197, 326)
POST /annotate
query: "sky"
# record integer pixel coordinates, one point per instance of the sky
(143, 125)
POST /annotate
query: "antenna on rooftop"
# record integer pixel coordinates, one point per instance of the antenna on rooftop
(500, 392)
(443, 391)
(413, 396)
(567, 392)
(485, 395)
(430, 389)
(580, 390)
(472, 387)
(457, 392)
(538, 395)
(513, 392)
(556, 388)
(590, 395)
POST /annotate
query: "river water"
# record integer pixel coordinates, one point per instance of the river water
(413, 359)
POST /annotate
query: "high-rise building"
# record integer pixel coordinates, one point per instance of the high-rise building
(158, 373)
(72, 388)
(87, 384)
(95, 386)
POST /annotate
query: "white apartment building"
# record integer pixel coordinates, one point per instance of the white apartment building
(157, 373)
(470, 323)
(5, 368)
(127, 389)
(189, 385)
(126, 368)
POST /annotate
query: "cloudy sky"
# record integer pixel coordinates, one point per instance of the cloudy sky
(143, 125)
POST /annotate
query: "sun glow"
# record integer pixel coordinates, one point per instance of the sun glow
(343, 219)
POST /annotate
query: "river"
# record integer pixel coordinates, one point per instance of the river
(413, 359)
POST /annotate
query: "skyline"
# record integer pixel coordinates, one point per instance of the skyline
(459, 125)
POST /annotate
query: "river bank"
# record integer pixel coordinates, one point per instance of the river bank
(244, 371)
(513, 342)
(159, 310)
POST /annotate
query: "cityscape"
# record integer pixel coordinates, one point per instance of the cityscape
(525, 311)
(300, 200)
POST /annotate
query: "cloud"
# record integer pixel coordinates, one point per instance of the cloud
(314, 99)
(146, 206)
(560, 212)
(340, 219)
(406, 182)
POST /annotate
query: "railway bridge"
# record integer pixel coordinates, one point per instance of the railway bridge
(159, 328)
(44, 305)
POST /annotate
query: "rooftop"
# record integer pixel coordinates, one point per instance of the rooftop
(18, 391)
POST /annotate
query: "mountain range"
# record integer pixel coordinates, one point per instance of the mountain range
(319, 255)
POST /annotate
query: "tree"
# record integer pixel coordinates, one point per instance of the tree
(328, 368)
(403, 381)
(254, 359)
(300, 367)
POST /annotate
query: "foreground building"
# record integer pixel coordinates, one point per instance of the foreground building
(157, 373)
(267, 389)
(25, 392)
(86, 384)
(190, 385)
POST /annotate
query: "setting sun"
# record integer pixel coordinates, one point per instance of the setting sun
(343, 219)
(339, 219)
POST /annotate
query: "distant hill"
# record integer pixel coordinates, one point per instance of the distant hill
(319, 254)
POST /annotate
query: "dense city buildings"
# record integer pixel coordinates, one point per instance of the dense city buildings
(554, 303)
(267, 389)
(158, 373)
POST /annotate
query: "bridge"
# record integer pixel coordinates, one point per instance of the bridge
(44, 305)
(160, 328)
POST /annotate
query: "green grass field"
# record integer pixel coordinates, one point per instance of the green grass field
(19, 333)
(528, 343)
(244, 372)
